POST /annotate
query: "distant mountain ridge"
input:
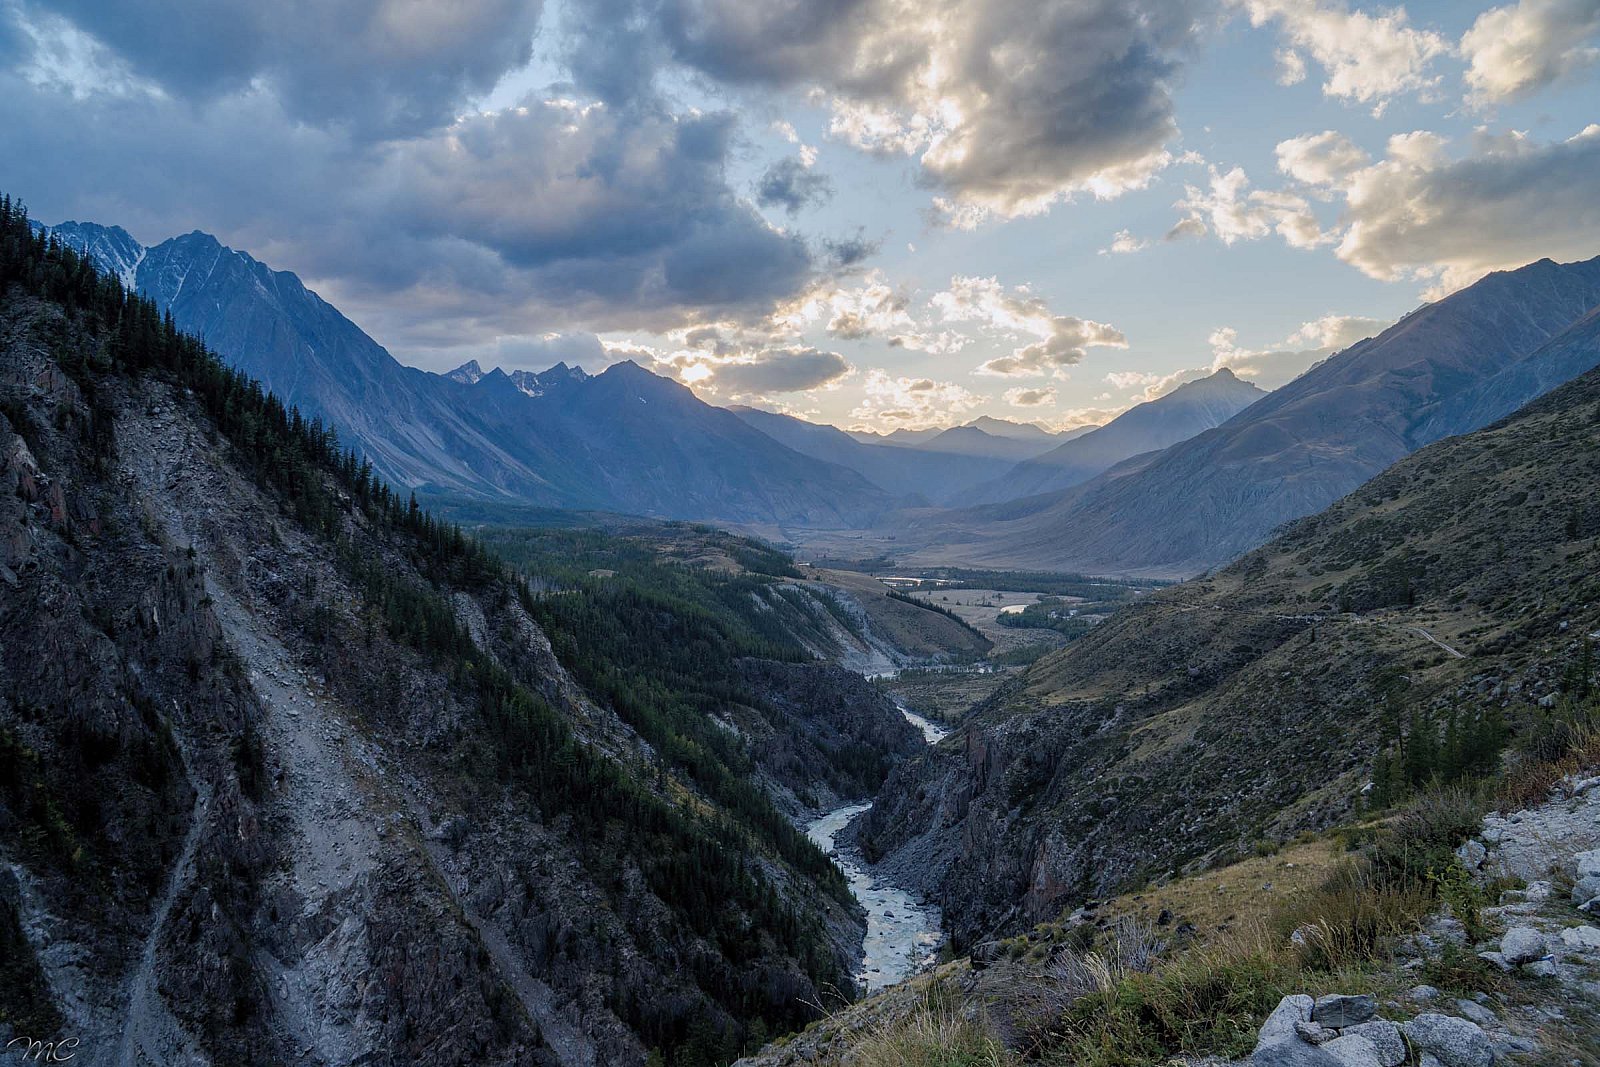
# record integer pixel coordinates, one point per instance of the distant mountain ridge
(493, 435)
(1192, 408)
(1448, 368)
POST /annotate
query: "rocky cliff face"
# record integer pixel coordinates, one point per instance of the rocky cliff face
(1248, 705)
(293, 776)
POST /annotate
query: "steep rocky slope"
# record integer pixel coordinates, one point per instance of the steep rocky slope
(291, 773)
(1250, 703)
(1207, 500)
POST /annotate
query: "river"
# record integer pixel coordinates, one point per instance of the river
(902, 932)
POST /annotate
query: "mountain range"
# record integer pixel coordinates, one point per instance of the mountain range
(624, 440)
(1190, 409)
(1448, 368)
(1171, 487)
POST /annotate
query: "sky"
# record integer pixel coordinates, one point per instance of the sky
(875, 213)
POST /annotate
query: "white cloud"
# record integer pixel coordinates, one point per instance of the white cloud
(1320, 158)
(912, 403)
(1061, 340)
(1278, 364)
(1419, 214)
(1232, 211)
(1131, 379)
(1123, 242)
(1365, 58)
(1516, 50)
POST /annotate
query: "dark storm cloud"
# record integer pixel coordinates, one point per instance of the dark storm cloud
(377, 67)
(848, 251)
(1054, 97)
(789, 370)
(541, 217)
(792, 185)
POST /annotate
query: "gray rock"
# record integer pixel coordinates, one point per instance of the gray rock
(1428, 1059)
(1292, 1053)
(1539, 969)
(1353, 1050)
(1295, 1008)
(1513, 1045)
(1385, 1038)
(1522, 944)
(1314, 1033)
(1472, 854)
(1497, 960)
(1477, 1013)
(1537, 892)
(1338, 1010)
(1585, 876)
(1456, 1042)
(1423, 992)
(1581, 938)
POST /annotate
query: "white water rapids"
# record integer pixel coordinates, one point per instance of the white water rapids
(902, 932)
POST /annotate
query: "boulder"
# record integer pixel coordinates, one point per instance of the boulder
(1479, 1014)
(1539, 969)
(1385, 1038)
(1339, 1010)
(1423, 992)
(1295, 1008)
(1352, 1050)
(1585, 877)
(1472, 854)
(1292, 1052)
(1581, 938)
(1522, 944)
(1497, 960)
(1455, 1042)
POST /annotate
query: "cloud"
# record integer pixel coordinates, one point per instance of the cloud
(373, 67)
(777, 370)
(1307, 346)
(912, 403)
(1006, 108)
(1124, 243)
(792, 185)
(1062, 340)
(553, 213)
(1128, 379)
(1419, 214)
(1320, 158)
(1369, 59)
(1232, 211)
(1516, 50)
(849, 251)
(1030, 398)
